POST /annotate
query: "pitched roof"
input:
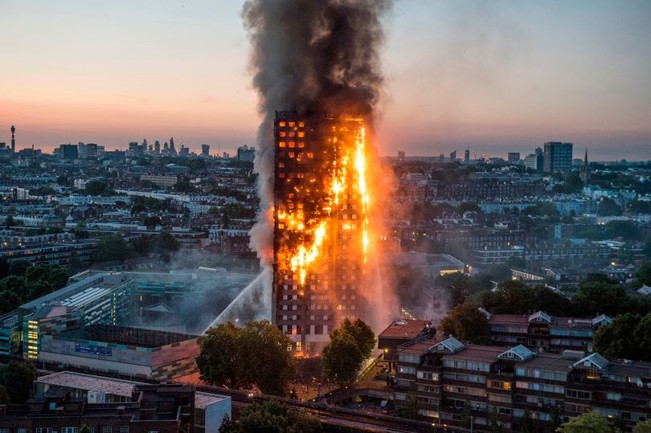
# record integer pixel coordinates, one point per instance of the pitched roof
(540, 316)
(593, 360)
(518, 352)
(450, 345)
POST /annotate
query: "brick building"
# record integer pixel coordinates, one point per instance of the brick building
(460, 385)
(160, 408)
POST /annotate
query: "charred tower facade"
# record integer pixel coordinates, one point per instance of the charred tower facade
(320, 225)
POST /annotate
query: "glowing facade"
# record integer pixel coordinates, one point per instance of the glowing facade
(320, 225)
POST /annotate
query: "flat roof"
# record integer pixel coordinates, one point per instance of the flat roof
(404, 329)
(509, 319)
(548, 362)
(87, 382)
(478, 353)
(118, 387)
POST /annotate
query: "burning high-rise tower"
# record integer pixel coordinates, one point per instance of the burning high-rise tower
(320, 224)
(319, 60)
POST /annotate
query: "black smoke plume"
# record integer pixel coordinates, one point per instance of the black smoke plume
(312, 57)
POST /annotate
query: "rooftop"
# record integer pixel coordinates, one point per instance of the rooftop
(404, 329)
(478, 353)
(86, 382)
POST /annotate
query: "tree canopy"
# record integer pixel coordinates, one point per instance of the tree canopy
(255, 355)
(514, 297)
(29, 282)
(600, 295)
(466, 323)
(590, 422)
(342, 359)
(628, 337)
(643, 427)
(272, 417)
(112, 248)
(17, 378)
(350, 344)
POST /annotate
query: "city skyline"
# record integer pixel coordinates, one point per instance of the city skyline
(492, 77)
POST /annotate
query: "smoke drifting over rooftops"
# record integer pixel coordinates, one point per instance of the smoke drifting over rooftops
(312, 57)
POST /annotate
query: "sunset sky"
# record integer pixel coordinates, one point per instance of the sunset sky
(490, 76)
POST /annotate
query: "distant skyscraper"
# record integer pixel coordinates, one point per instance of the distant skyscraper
(514, 157)
(157, 147)
(246, 153)
(13, 139)
(172, 148)
(466, 156)
(557, 157)
(205, 150)
(453, 156)
(68, 152)
(401, 155)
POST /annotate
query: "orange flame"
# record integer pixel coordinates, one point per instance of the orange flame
(347, 180)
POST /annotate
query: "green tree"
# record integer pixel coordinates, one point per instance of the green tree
(642, 427)
(218, 360)
(361, 333)
(37, 289)
(15, 284)
(17, 378)
(111, 248)
(10, 301)
(97, 187)
(85, 429)
(514, 297)
(466, 323)
(54, 275)
(273, 417)
(643, 274)
(342, 358)
(255, 355)
(617, 339)
(590, 422)
(597, 295)
(608, 207)
(642, 338)
(269, 365)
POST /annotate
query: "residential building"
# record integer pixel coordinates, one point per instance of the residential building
(460, 386)
(310, 299)
(209, 409)
(160, 408)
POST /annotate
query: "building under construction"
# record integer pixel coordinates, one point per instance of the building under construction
(320, 225)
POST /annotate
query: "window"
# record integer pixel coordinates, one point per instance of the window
(406, 370)
(426, 375)
(69, 430)
(124, 429)
(578, 394)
